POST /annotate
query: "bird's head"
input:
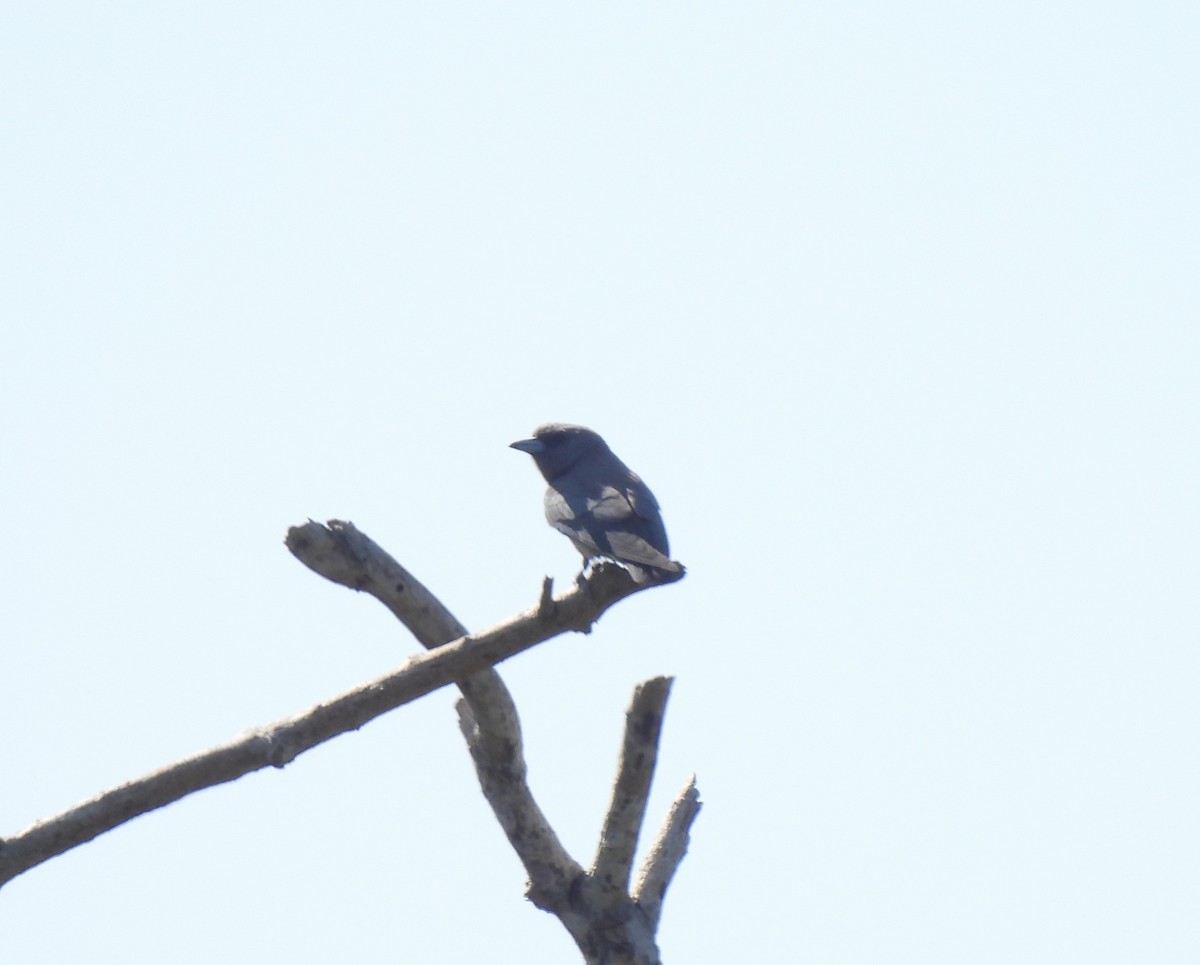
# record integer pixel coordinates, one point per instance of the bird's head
(557, 446)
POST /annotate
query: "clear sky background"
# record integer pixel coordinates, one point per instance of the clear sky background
(893, 305)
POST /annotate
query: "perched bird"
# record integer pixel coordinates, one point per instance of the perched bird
(599, 503)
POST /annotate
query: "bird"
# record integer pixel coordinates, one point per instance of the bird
(599, 503)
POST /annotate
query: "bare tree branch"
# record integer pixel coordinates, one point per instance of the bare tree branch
(467, 660)
(342, 554)
(487, 714)
(609, 926)
(666, 853)
(623, 822)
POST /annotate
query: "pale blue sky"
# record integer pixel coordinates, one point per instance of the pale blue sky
(895, 308)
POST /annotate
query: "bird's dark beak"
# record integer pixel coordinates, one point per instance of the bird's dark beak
(531, 446)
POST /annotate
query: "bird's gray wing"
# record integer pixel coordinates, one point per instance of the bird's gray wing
(631, 548)
(648, 520)
(571, 522)
(633, 527)
(613, 505)
(610, 525)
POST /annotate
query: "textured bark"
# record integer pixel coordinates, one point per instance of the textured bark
(635, 769)
(668, 849)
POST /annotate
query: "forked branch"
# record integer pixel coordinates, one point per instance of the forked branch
(609, 922)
